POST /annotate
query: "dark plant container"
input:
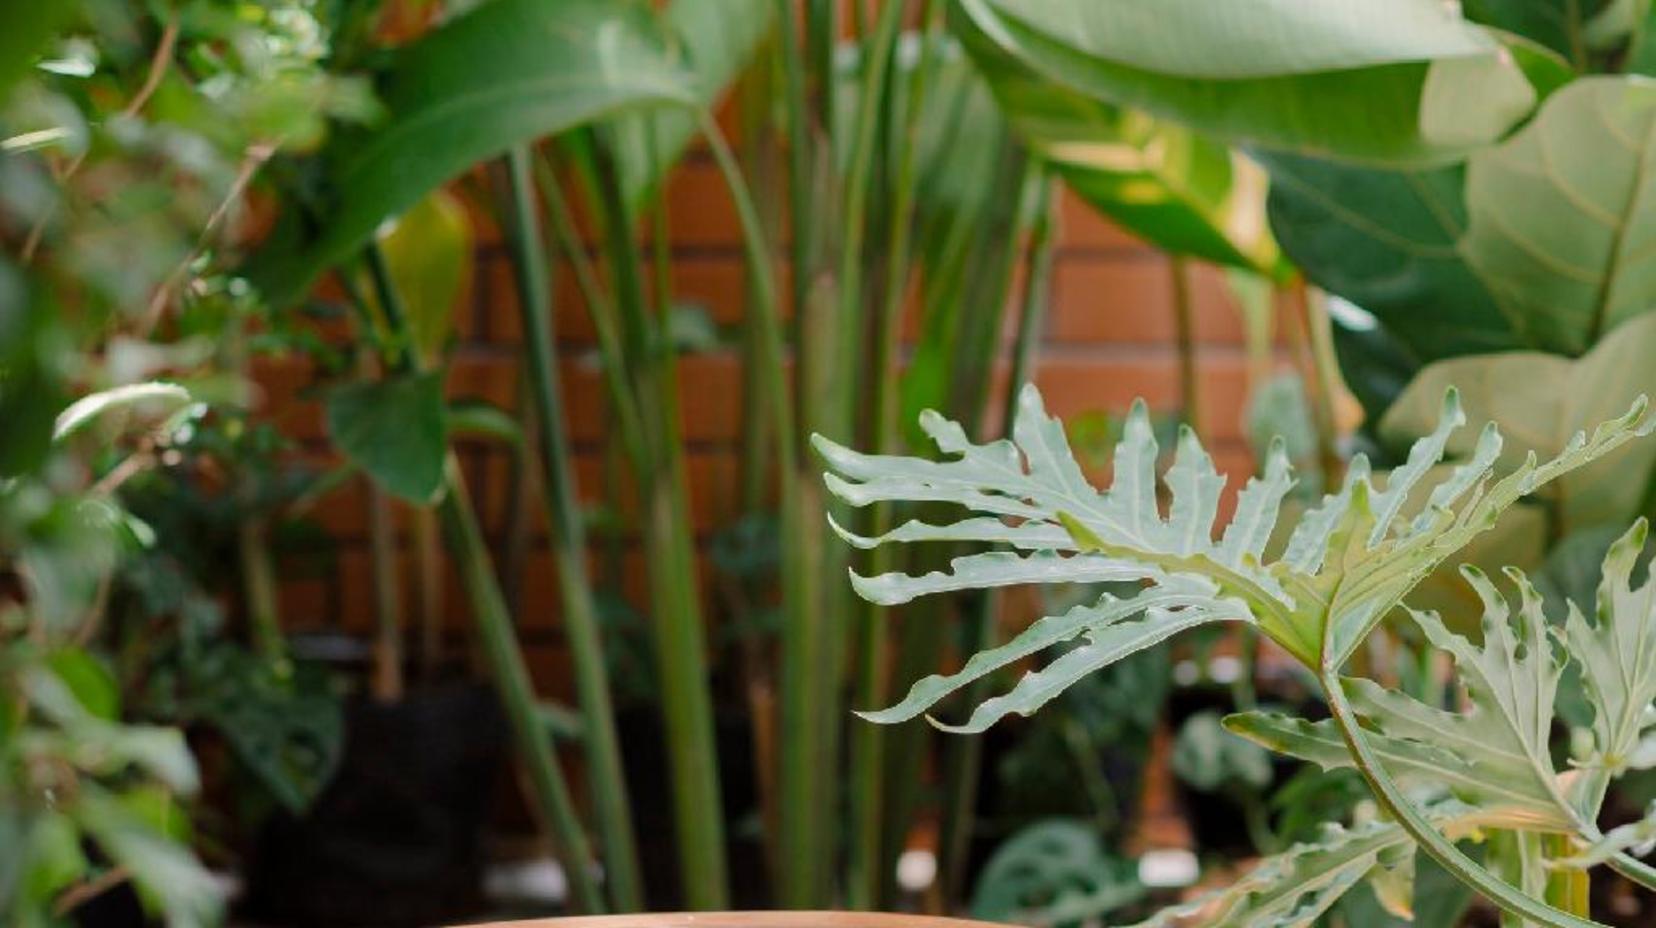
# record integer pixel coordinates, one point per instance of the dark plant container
(397, 837)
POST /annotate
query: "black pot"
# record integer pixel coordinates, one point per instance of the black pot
(396, 838)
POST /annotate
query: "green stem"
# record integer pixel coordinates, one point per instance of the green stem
(1326, 387)
(803, 781)
(517, 694)
(258, 571)
(867, 749)
(500, 647)
(1184, 321)
(568, 541)
(670, 559)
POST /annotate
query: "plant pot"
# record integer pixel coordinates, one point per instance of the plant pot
(396, 837)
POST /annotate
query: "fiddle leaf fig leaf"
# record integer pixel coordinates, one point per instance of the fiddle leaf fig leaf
(1348, 562)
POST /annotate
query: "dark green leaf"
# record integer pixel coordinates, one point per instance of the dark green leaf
(396, 430)
(505, 73)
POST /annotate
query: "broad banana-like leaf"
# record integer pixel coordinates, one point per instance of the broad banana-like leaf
(1160, 181)
(1561, 223)
(504, 73)
(1347, 563)
(1375, 81)
(1540, 400)
(714, 40)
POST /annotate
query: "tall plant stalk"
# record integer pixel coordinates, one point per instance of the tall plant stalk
(1184, 335)
(498, 637)
(867, 748)
(646, 380)
(568, 541)
(964, 761)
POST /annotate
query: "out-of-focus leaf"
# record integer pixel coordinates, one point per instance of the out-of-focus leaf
(1561, 224)
(1557, 24)
(396, 430)
(429, 253)
(166, 874)
(119, 409)
(482, 419)
(1540, 401)
(1405, 83)
(25, 29)
(507, 72)
(1209, 758)
(714, 41)
(92, 684)
(1054, 872)
(1161, 181)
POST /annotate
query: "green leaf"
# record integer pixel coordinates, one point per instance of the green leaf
(1297, 886)
(166, 873)
(89, 680)
(1160, 181)
(505, 73)
(429, 252)
(482, 419)
(1561, 224)
(1540, 401)
(714, 40)
(1617, 652)
(25, 29)
(1350, 560)
(396, 430)
(1386, 241)
(120, 409)
(1557, 24)
(1209, 758)
(1365, 80)
(1053, 872)
(1639, 837)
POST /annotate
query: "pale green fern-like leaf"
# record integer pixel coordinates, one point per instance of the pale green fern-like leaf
(1348, 562)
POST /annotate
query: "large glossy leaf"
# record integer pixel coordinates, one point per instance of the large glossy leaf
(1160, 181)
(507, 72)
(715, 40)
(1557, 24)
(1367, 80)
(396, 430)
(1562, 217)
(1347, 563)
(1540, 401)
(1386, 241)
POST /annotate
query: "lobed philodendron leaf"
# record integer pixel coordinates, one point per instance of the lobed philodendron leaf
(1347, 563)
(1494, 755)
(1297, 886)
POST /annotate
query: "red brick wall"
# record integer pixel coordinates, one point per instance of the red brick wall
(1108, 338)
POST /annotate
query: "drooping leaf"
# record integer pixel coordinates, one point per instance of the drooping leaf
(1349, 561)
(504, 73)
(396, 430)
(1540, 401)
(1160, 181)
(713, 40)
(429, 252)
(115, 410)
(1396, 83)
(1561, 225)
